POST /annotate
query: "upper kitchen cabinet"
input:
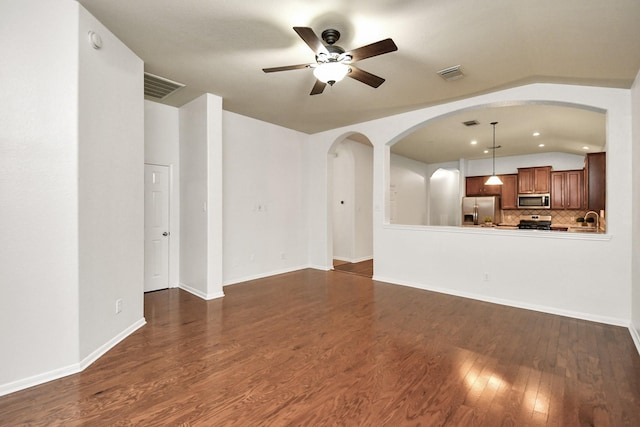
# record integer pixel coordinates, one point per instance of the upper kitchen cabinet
(567, 189)
(595, 169)
(534, 180)
(475, 187)
(509, 191)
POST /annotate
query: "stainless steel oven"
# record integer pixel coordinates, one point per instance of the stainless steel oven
(534, 201)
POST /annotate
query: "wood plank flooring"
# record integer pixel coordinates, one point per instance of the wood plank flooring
(313, 348)
(362, 268)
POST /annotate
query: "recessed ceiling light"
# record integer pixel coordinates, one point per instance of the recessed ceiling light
(540, 145)
(474, 142)
(486, 151)
(585, 148)
(536, 134)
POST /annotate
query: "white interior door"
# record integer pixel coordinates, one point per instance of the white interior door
(156, 227)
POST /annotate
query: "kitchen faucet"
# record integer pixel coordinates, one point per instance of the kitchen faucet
(597, 218)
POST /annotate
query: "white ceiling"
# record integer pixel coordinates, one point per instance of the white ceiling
(221, 46)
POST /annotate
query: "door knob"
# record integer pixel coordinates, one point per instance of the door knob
(165, 234)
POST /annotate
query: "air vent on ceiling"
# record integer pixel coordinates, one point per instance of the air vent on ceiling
(471, 123)
(158, 87)
(451, 73)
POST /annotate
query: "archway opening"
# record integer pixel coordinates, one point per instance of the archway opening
(350, 211)
(561, 137)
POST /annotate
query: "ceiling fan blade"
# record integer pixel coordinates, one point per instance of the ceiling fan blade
(373, 49)
(285, 68)
(311, 39)
(365, 77)
(318, 88)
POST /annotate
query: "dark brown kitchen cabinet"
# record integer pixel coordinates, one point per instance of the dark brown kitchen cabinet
(534, 180)
(595, 171)
(567, 189)
(509, 199)
(475, 187)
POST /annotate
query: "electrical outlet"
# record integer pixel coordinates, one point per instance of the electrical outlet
(119, 306)
(485, 277)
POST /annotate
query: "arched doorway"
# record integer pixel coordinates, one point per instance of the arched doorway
(350, 213)
(444, 197)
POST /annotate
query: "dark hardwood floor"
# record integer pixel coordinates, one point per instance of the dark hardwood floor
(313, 348)
(362, 268)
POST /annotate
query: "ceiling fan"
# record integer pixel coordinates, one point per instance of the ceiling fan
(333, 63)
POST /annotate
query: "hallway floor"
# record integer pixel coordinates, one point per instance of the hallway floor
(363, 268)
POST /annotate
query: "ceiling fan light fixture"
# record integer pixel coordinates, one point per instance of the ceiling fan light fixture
(331, 72)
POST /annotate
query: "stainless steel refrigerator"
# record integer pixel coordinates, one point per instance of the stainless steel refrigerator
(479, 210)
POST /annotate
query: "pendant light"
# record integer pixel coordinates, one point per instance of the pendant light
(493, 179)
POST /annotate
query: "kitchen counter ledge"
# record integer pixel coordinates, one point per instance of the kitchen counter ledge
(502, 230)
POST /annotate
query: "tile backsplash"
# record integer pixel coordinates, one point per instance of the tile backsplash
(558, 216)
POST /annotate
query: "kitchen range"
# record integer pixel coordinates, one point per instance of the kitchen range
(535, 222)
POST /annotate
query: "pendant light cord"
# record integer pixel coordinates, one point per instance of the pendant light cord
(494, 147)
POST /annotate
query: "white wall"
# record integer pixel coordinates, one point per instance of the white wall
(162, 147)
(111, 187)
(363, 200)
(444, 197)
(38, 190)
(193, 196)
(201, 196)
(635, 213)
(71, 176)
(343, 203)
(215, 233)
(588, 276)
(408, 191)
(264, 199)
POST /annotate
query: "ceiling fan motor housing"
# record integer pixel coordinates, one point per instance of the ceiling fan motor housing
(330, 36)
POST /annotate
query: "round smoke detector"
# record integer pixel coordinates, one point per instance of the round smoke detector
(95, 40)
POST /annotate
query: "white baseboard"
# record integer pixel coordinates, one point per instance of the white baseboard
(55, 374)
(199, 293)
(510, 303)
(96, 354)
(263, 275)
(319, 267)
(635, 336)
(45, 377)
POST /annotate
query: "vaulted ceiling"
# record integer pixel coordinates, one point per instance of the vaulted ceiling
(221, 47)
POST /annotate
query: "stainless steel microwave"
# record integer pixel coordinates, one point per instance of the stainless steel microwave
(534, 201)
